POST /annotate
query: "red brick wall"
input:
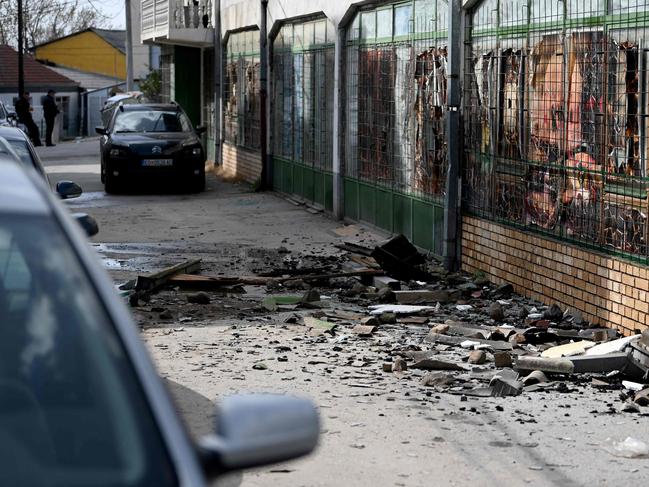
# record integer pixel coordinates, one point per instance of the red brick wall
(241, 163)
(607, 290)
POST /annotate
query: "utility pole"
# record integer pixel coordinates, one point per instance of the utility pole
(129, 46)
(21, 63)
(263, 93)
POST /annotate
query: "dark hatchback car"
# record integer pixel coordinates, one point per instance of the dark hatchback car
(145, 142)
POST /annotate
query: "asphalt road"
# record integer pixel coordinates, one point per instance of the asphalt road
(75, 161)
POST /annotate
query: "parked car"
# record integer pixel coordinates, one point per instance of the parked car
(15, 144)
(82, 404)
(8, 117)
(26, 153)
(4, 114)
(151, 141)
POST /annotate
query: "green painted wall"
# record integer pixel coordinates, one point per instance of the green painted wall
(420, 220)
(312, 184)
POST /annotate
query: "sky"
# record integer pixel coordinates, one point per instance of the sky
(114, 9)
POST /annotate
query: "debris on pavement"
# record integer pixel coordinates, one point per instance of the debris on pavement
(400, 259)
(568, 350)
(629, 448)
(505, 383)
(399, 309)
(447, 332)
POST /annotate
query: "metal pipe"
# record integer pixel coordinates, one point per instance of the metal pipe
(338, 123)
(218, 73)
(263, 95)
(21, 65)
(129, 46)
(451, 200)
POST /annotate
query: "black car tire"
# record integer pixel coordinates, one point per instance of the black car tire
(111, 186)
(197, 185)
(102, 173)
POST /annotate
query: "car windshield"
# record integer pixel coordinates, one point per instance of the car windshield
(72, 412)
(151, 121)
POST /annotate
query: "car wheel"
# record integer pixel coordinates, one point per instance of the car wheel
(111, 185)
(197, 185)
(102, 174)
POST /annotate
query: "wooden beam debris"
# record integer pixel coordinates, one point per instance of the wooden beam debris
(213, 282)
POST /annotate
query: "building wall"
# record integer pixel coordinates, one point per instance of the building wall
(72, 114)
(555, 143)
(241, 163)
(86, 52)
(145, 57)
(556, 154)
(607, 290)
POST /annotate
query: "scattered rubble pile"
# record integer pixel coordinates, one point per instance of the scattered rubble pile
(453, 333)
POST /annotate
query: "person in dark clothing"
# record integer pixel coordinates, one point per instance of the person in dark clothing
(50, 111)
(24, 112)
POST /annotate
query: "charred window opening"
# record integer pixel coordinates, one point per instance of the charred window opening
(555, 120)
(396, 98)
(241, 90)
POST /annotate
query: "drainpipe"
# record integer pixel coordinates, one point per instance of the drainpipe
(263, 95)
(129, 46)
(338, 122)
(452, 207)
(216, 22)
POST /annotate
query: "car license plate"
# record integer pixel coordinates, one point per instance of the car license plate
(157, 162)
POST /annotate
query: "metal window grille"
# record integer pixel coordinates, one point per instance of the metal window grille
(396, 97)
(303, 91)
(241, 90)
(166, 60)
(556, 119)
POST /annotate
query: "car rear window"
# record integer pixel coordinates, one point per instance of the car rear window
(72, 412)
(151, 121)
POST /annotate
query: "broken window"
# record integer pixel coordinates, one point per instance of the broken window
(555, 120)
(241, 103)
(302, 87)
(396, 92)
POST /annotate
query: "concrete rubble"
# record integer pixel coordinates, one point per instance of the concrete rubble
(468, 336)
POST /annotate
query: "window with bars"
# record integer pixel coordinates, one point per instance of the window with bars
(396, 97)
(241, 101)
(555, 119)
(166, 61)
(303, 91)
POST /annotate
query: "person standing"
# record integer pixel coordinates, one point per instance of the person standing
(50, 111)
(24, 111)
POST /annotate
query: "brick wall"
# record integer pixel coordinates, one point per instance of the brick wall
(241, 163)
(607, 290)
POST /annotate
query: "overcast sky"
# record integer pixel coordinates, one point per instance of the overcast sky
(114, 9)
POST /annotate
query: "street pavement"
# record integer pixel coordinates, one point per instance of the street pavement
(77, 161)
(378, 429)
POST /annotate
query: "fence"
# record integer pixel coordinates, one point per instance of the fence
(241, 90)
(302, 102)
(555, 111)
(395, 141)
